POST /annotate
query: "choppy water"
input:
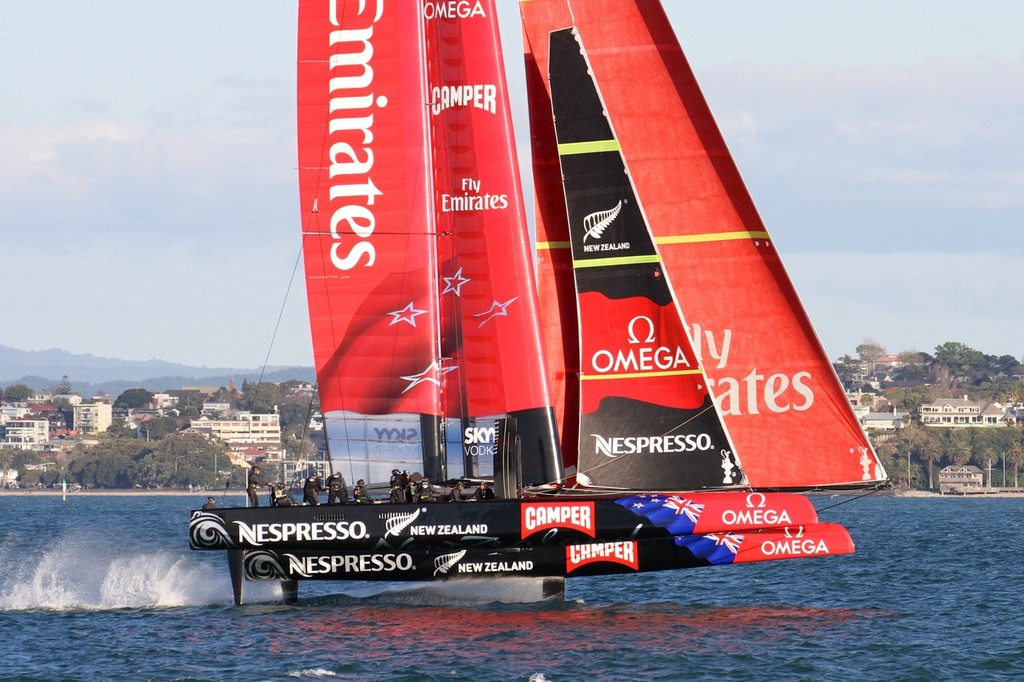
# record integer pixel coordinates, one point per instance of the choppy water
(105, 587)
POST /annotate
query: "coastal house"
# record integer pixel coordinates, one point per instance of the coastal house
(962, 478)
(963, 412)
(882, 421)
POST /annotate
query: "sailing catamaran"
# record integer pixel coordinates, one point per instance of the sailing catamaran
(648, 395)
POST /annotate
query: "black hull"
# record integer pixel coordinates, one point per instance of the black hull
(545, 538)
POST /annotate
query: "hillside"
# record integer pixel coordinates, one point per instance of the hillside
(91, 375)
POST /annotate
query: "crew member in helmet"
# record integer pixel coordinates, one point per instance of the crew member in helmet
(359, 493)
(311, 490)
(337, 489)
(281, 497)
(483, 493)
(397, 489)
(407, 485)
(424, 491)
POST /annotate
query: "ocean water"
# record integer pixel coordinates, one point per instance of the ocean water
(106, 588)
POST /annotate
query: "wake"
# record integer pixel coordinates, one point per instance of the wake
(84, 576)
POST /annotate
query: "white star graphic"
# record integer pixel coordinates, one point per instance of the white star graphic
(433, 374)
(406, 314)
(454, 283)
(496, 310)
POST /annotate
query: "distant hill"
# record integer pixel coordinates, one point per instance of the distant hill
(92, 375)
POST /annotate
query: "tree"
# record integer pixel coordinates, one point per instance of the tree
(134, 398)
(17, 393)
(180, 460)
(910, 399)
(1014, 455)
(260, 398)
(158, 427)
(957, 447)
(870, 350)
(64, 388)
(959, 356)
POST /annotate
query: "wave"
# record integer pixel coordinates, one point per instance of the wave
(91, 572)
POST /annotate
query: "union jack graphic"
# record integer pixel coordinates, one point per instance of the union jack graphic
(681, 505)
(730, 541)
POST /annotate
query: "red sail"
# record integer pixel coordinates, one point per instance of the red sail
(365, 201)
(785, 411)
(419, 277)
(486, 283)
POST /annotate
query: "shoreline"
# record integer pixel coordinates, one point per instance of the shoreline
(122, 493)
(241, 493)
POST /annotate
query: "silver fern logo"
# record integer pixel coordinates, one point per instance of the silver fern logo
(394, 524)
(207, 531)
(444, 563)
(264, 565)
(596, 223)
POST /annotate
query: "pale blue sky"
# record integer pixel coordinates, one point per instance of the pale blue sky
(148, 200)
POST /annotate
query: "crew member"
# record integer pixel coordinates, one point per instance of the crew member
(281, 497)
(483, 492)
(311, 489)
(424, 491)
(211, 503)
(359, 493)
(397, 490)
(255, 481)
(456, 494)
(407, 486)
(337, 489)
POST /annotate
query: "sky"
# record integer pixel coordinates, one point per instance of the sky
(149, 201)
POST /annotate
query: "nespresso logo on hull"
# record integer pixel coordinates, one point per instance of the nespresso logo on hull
(352, 105)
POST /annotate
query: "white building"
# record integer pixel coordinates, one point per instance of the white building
(93, 417)
(962, 412)
(246, 430)
(25, 434)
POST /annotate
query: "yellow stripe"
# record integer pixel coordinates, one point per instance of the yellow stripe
(607, 262)
(592, 147)
(711, 237)
(640, 375)
(551, 246)
(679, 239)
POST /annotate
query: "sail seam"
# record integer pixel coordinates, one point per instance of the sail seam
(610, 262)
(711, 237)
(676, 239)
(589, 147)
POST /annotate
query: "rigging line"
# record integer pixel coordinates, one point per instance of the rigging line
(873, 491)
(280, 315)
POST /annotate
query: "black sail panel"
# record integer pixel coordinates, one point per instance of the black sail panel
(647, 419)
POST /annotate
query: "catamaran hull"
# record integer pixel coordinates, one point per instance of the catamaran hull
(545, 538)
(552, 561)
(494, 524)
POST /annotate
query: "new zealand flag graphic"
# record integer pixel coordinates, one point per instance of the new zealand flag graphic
(674, 513)
(716, 548)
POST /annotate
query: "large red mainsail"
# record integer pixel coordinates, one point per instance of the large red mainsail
(787, 415)
(418, 266)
